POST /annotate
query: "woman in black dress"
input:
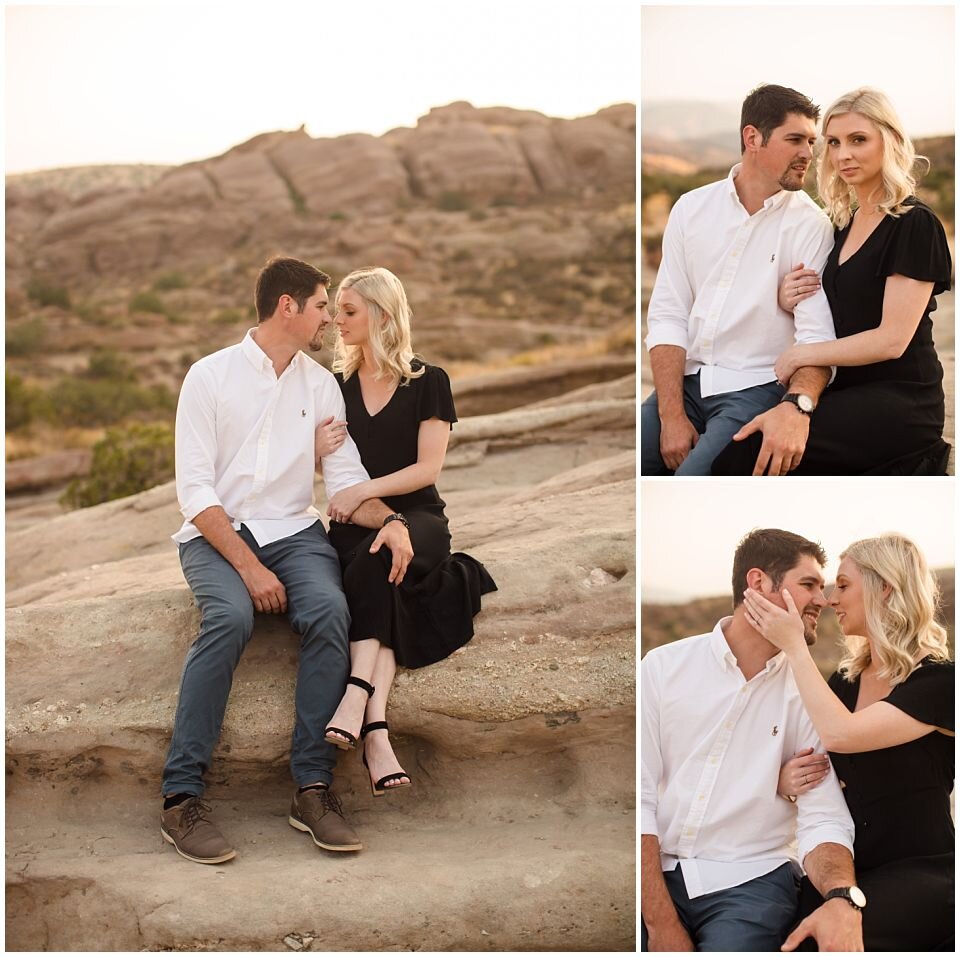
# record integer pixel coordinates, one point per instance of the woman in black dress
(887, 720)
(400, 413)
(884, 412)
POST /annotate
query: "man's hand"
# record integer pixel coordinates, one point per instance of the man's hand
(396, 537)
(835, 926)
(265, 589)
(785, 430)
(677, 438)
(673, 938)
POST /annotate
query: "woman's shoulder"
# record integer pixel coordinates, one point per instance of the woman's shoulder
(431, 373)
(919, 214)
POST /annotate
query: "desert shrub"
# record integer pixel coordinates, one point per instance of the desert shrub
(108, 364)
(23, 402)
(170, 280)
(45, 292)
(147, 302)
(338, 217)
(27, 339)
(503, 201)
(478, 214)
(227, 317)
(461, 256)
(452, 202)
(125, 461)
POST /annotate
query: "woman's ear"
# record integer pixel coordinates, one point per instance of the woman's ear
(886, 590)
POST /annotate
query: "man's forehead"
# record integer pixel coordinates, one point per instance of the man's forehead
(807, 567)
(797, 123)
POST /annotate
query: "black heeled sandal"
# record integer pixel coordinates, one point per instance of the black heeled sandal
(379, 788)
(351, 739)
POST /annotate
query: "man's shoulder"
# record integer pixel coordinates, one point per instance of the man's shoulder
(680, 650)
(213, 361)
(702, 194)
(800, 206)
(316, 372)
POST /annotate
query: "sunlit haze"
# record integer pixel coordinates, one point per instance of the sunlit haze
(719, 53)
(689, 529)
(171, 84)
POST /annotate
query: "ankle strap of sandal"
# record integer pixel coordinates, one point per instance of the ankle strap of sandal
(360, 683)
(374, 726)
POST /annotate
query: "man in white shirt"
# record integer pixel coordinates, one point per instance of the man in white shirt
(714, 326)
(251, 542)
(720, 715)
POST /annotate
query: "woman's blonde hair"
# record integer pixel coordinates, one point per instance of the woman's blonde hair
(389, 328)
(902, 624)
(899, 158)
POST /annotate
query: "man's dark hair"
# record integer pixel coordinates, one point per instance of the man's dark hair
(286, 277)
(773, 551)
(767, 107)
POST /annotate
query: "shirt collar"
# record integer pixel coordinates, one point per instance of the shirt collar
(727, 659)
(258, 358)
(771, 202)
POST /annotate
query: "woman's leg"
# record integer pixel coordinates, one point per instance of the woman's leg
(349, 713)
(376, 745)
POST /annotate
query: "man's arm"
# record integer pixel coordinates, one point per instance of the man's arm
(665, 930)
(370, 514)
(266, 590)
(785, 428)
(677, 434)
(835, 925)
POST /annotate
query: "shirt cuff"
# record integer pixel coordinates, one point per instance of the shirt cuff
(825, 834)
(648, 821)
(667, 335)
(198, 502)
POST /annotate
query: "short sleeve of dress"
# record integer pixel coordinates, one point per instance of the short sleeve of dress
(434, 396)
(917, 248)
(927, 694)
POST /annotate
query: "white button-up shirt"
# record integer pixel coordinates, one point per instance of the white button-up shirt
(712, 745)
(716, 289)
(245, 441)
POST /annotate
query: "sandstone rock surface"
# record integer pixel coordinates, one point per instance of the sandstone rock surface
(520, 825)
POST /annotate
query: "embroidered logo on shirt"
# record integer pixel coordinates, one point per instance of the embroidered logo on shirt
(773, 257)
(775, 731)
(303, 413)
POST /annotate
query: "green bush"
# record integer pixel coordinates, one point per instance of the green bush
(170, 280)
(95, 402)
(27, 339)
(23, 402)
(227, 317)
(108, 364)
(45, 292)
(125, 461)
(452, 202)
(338, 217)
(148, 302)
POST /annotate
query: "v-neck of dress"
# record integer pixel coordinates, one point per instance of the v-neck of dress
(363, 401)
(866, 239)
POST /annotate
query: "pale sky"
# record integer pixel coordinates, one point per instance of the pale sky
(689, 529)
(144, 83)
(718, 53)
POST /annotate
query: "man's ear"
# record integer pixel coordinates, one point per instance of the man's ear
(287, 306)
(755, 579)
(752, 137)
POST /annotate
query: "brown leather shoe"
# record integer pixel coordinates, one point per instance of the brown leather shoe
(195, 837)
(319, 813)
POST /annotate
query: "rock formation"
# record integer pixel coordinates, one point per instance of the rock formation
(519, 831)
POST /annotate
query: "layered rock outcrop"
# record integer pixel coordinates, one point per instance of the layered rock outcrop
(520, 824)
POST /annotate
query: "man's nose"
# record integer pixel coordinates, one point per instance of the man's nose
(820, 599)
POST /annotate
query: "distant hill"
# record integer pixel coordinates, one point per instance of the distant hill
(661, 623)
(78, 181)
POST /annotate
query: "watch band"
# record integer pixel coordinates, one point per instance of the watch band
(852, 895)
(396, 517)
(803, 402)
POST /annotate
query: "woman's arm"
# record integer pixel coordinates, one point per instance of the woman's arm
(904, 302)
(432, 440)
(880, 725)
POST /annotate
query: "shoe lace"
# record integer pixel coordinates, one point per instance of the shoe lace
(196, 810)
(330, 801)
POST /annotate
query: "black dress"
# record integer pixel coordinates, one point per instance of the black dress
(899, 799)
(885, 418)
(430, 614)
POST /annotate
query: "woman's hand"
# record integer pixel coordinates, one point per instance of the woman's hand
(781, 627)
(805, 770)
(329, 436)
(797, 285)
(788, 362)
(347, 501)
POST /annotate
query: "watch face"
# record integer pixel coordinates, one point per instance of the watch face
(805, 402)
(858, 897)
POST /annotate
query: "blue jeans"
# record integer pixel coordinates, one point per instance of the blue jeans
(716, 418)
(309, 569)
(755, 916)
